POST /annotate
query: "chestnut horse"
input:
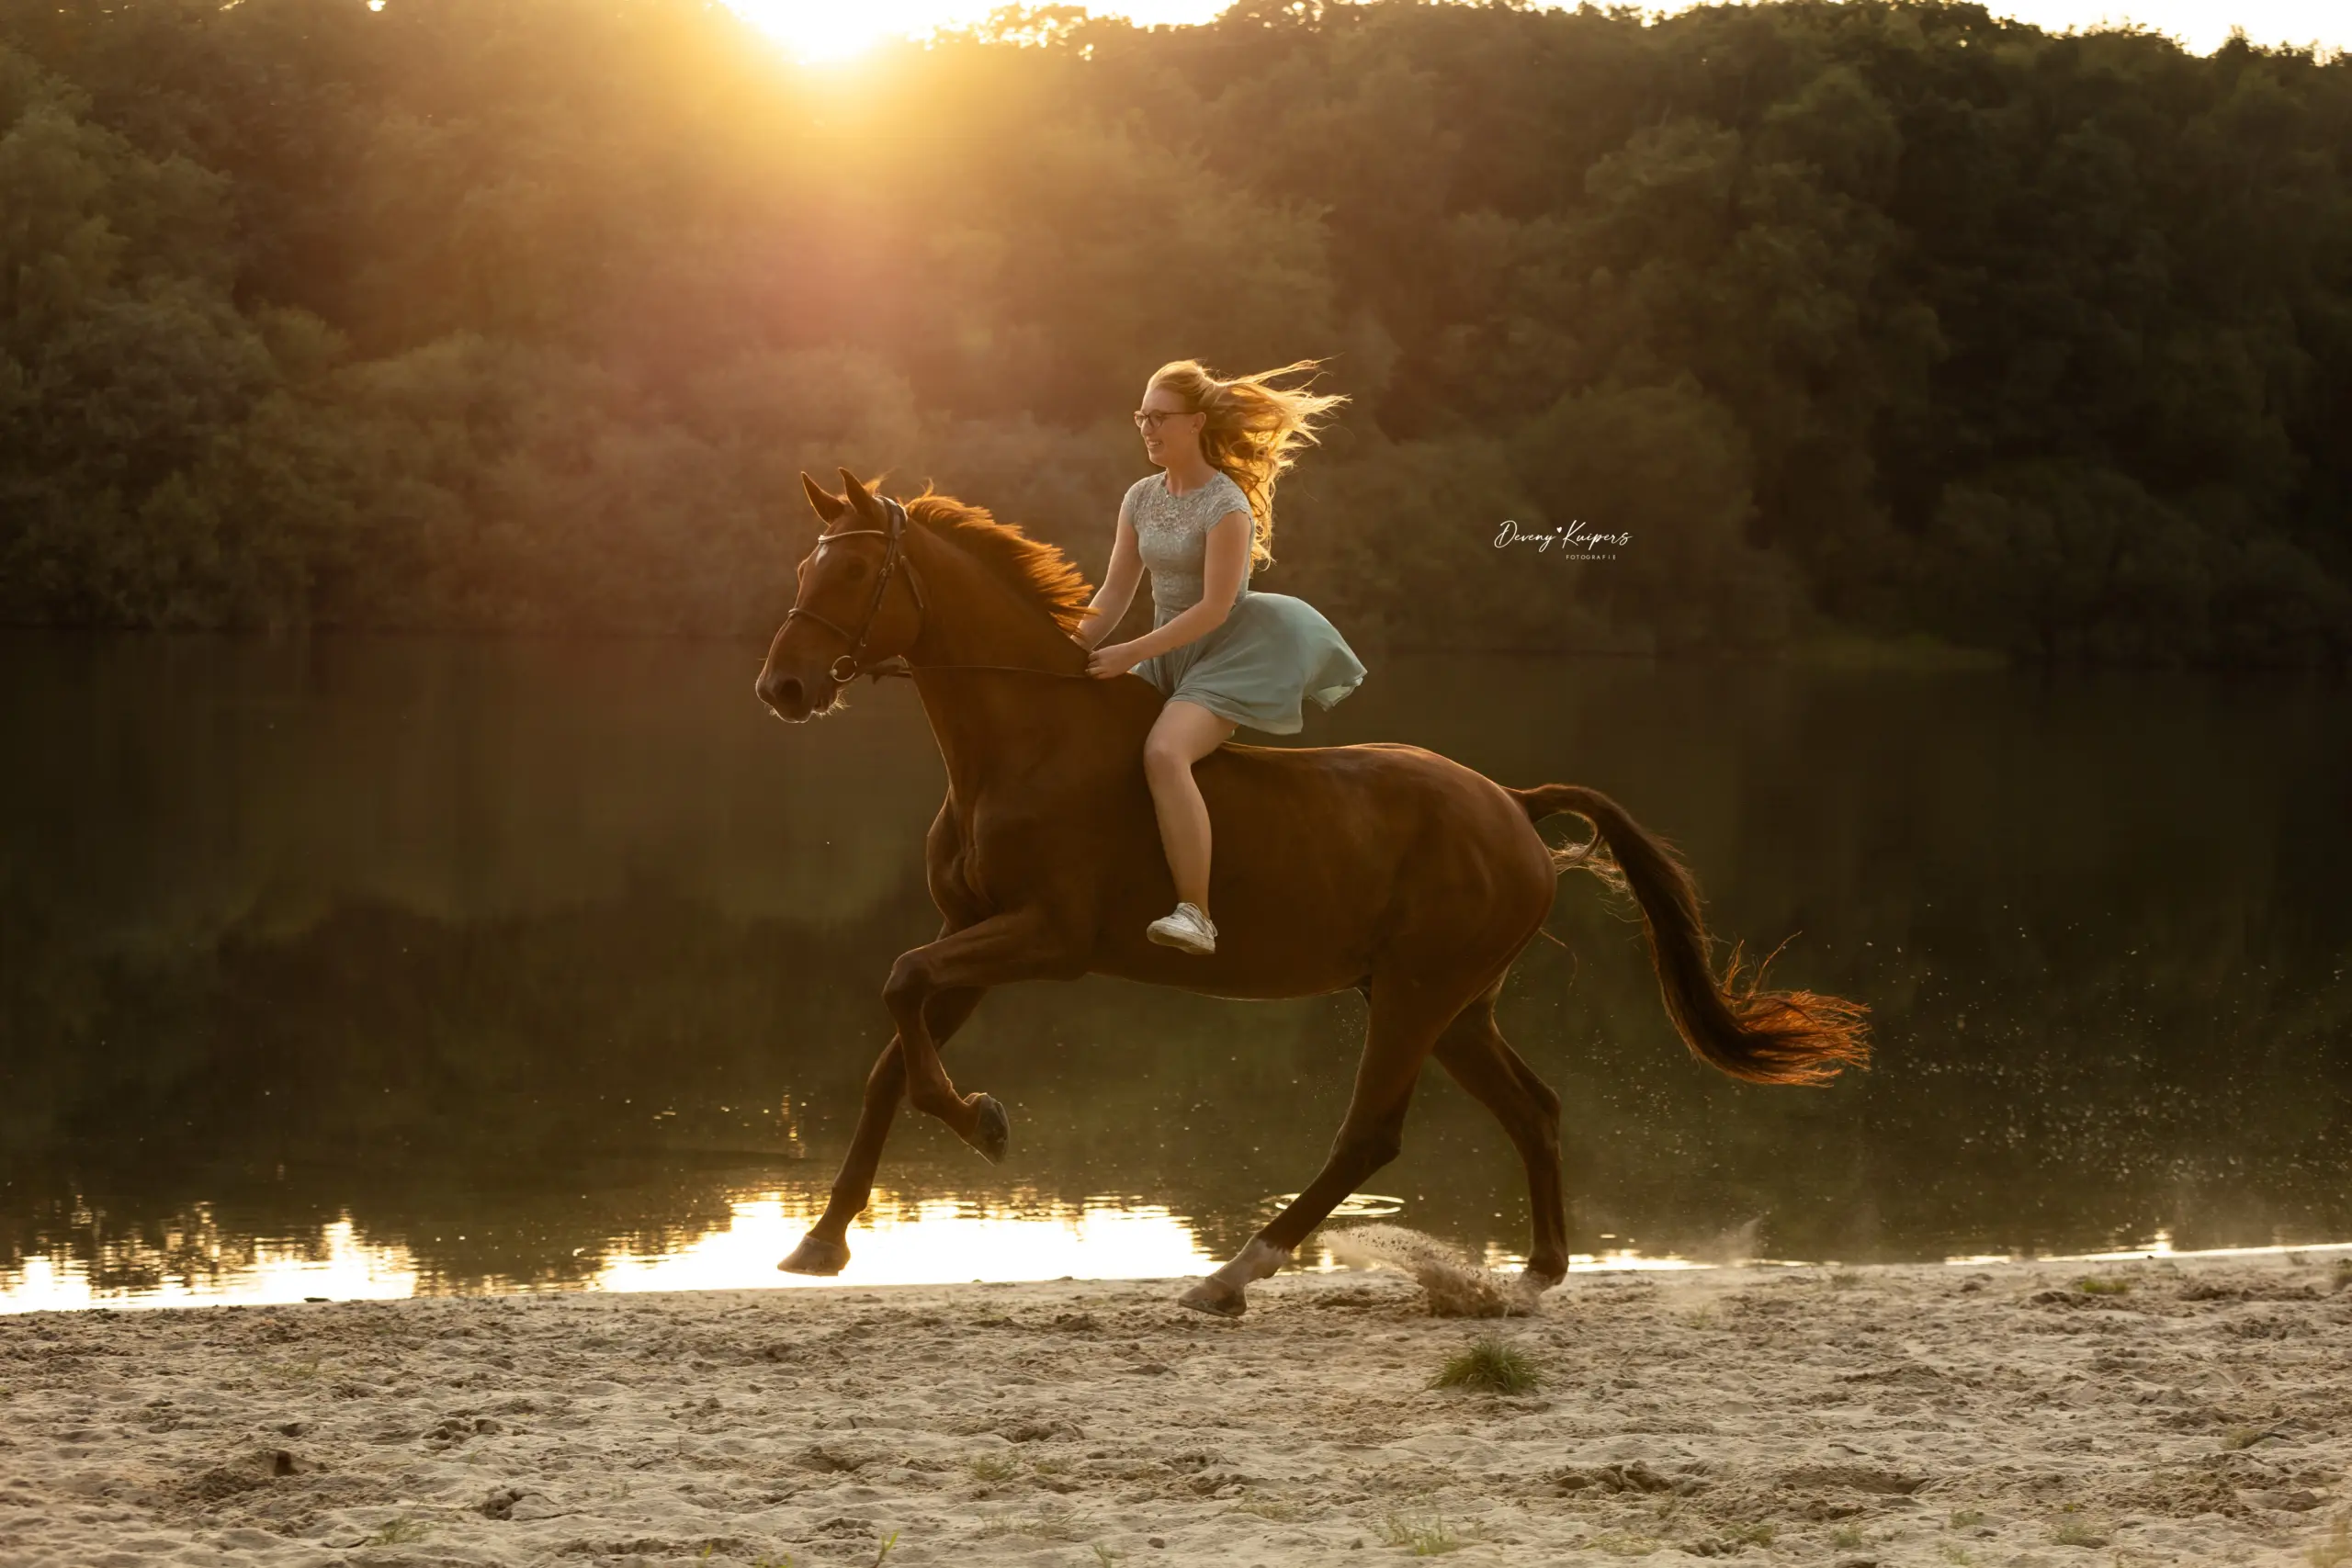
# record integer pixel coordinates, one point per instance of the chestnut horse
(1383, 867)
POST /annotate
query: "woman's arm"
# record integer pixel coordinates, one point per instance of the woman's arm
(1119, 579)
(1223, 563)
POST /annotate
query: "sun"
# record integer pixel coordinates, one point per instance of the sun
(840, 30)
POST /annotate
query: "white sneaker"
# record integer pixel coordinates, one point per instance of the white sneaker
(1188, 928)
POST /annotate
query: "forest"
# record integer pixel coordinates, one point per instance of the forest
(1887, 317)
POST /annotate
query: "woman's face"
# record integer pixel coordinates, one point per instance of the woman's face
(1172, 439)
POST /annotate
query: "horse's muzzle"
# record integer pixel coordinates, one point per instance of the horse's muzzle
(786, 695)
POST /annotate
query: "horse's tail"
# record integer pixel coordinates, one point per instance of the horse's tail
(1761, 1036)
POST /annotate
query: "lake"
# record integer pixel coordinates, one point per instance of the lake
(351, 965)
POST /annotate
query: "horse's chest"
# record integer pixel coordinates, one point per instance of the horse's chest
(998, 856)
(960, 863)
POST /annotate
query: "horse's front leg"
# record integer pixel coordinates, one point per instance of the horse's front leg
(1019, 944)
(825, 1249)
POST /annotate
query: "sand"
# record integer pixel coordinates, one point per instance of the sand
(1993, 1415)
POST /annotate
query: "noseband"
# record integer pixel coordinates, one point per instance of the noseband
(891, 557)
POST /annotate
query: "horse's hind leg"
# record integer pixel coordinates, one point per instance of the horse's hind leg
(1408, 1013)
(825, 1249)
(1474, 1050)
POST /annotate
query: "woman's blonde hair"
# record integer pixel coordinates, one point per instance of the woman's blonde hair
(1252, 429)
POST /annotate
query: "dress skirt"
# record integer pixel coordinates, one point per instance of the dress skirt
(1270, 651)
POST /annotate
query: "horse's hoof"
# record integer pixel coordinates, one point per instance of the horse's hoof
(816, 1256)
(1535, 1283)
(1213, 1295)
(994, 1131)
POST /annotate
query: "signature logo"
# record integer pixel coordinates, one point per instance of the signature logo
(1574, 541)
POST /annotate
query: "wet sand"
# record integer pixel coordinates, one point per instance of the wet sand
(2190, 1411)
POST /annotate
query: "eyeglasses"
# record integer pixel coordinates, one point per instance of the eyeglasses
(1149, 419)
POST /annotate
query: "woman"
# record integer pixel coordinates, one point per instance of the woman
(1219, 653)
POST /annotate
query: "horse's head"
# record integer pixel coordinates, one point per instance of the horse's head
(857, 604)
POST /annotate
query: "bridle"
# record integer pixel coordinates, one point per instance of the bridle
(893, 555)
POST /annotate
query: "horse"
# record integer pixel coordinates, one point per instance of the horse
(1379, 866)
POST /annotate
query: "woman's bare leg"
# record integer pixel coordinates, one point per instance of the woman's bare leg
(1185, 733)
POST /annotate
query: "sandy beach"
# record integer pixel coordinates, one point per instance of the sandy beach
(2177, 1410)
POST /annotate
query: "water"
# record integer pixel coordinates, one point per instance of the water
(381, 966)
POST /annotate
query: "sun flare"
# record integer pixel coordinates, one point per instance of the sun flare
(813, 30)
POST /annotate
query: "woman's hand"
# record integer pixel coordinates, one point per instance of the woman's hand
(1116, 660)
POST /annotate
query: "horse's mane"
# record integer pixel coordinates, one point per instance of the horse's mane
(1037, 570)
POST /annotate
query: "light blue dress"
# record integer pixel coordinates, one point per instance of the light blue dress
(1270, 651)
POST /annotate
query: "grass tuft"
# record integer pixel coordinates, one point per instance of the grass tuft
(992, 1467)
(1491, 1364)
(1964, 1519)
(2093, 1285)
(1430, 1536)
(400, 1533)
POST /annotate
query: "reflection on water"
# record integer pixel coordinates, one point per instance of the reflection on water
(366, 966)
(214, 1271)
(904, 1240)
(914, 1241)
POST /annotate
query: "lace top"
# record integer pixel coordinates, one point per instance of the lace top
(1173, 531)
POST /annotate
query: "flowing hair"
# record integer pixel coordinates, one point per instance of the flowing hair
(1252, 429)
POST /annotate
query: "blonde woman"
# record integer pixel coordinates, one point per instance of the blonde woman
(1221, 654)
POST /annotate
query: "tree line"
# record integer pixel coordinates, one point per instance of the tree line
(1884, 315)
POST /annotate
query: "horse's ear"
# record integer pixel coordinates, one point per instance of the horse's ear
(829, 507)
(859, 496)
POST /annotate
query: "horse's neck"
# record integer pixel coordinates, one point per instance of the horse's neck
(992, 723)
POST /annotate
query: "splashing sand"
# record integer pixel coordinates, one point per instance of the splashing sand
(1455, 1286)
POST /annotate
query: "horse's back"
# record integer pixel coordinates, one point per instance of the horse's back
(1404, 815)
(1392, 767)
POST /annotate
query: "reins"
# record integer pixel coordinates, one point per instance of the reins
(898, 664)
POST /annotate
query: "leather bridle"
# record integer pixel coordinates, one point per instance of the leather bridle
(891, 556)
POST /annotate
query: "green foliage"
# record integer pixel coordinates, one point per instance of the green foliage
(1888, 316)
(1491, 1365)
(1428, 1536)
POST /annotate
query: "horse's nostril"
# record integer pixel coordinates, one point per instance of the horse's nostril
(776, 690)
(788, 690)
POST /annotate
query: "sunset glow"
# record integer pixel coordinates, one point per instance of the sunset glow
(817, 32)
